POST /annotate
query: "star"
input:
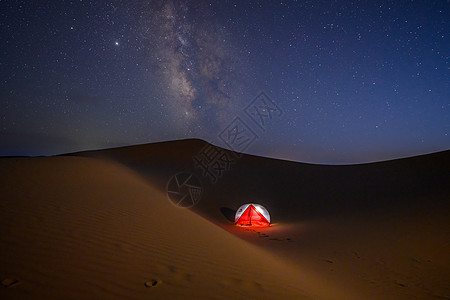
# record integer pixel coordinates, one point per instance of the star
(187, 70)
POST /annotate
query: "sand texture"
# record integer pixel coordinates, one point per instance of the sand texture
(99, 225)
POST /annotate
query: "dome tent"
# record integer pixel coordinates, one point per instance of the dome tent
(251, 214)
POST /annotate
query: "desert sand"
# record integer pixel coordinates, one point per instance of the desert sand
(100, 225)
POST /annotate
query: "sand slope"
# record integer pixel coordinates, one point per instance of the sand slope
(79, 228)
(99, 225)
(379, 230)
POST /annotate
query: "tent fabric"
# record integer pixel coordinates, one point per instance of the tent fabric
(251, 214)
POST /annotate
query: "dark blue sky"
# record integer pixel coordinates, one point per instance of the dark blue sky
(342, 81)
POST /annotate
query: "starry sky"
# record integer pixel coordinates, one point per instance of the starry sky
(331, 82)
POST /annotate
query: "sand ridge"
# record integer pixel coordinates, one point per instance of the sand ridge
(84, 228)
(99, 225)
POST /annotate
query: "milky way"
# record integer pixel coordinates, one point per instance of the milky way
(357, 81)
(198, 62)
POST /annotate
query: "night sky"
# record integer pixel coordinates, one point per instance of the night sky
(314, 81)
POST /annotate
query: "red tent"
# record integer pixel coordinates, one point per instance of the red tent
(252, 215)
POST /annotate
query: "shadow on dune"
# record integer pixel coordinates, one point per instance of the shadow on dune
(228, 213)
(291, 191)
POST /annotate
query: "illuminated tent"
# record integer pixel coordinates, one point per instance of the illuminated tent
(252, 215)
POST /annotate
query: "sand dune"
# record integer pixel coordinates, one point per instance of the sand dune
(78, 227)
(99, 225)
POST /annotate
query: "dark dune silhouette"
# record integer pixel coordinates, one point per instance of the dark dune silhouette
(100, 224)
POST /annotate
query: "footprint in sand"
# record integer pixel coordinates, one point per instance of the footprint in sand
(262, 235)
(152, 283)
(400, 283)
(10, 282)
